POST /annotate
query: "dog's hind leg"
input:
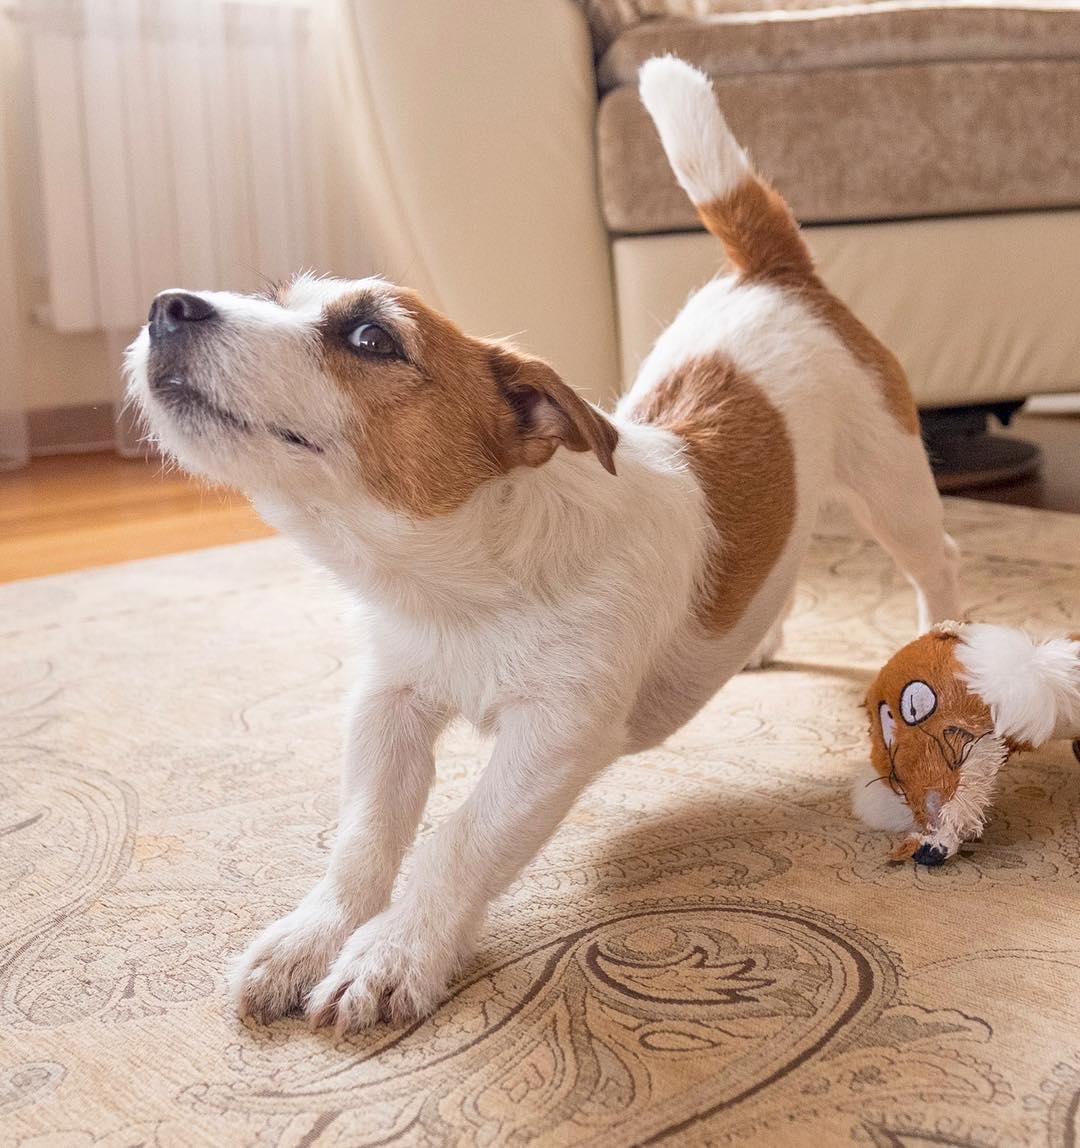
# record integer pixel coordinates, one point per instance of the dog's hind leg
(769, 646)
(892, 494)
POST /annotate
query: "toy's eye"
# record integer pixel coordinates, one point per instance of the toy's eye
(888, 724)
(917, 702)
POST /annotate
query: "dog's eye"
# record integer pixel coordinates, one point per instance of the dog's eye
(888, 724)
(917, 702)
(372, 339)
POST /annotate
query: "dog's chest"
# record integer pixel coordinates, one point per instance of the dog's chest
(483, 667)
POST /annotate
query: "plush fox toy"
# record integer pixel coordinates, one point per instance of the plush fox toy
(946, 713)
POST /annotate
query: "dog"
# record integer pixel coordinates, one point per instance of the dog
(574, 583)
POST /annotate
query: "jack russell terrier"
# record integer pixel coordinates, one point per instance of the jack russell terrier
(575, 583)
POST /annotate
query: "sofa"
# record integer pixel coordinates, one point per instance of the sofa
(504, 166)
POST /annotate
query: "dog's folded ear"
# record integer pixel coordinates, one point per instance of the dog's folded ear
(547, 413)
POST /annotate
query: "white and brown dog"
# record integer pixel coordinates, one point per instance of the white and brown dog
(576, 583)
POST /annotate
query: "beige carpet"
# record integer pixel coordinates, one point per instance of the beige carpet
(710, 952)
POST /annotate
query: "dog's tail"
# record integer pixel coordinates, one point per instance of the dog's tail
(749, 217)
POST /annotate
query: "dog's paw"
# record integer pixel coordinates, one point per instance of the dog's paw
(759, 659)
(768, 648)
(392, 968)
(278, 969)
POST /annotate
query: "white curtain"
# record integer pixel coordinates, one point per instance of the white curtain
(13, 429)
(156, 143)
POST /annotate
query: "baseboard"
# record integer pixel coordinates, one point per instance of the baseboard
(72, 430)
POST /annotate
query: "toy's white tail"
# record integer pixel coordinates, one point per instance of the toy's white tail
(749, 217)
(1032, 687)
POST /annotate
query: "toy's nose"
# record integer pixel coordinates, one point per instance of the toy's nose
(929, 855)
(174, 311)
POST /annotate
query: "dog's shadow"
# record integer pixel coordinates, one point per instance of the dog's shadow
(758, 836)
(858, 675)
(707, 845)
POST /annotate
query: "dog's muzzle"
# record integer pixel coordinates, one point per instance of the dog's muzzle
(177, 323)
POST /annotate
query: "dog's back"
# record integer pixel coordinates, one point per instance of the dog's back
(780, 396)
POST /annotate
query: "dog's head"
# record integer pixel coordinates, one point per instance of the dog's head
(348, 385)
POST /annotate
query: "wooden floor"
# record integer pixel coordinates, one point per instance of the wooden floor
(75, 511)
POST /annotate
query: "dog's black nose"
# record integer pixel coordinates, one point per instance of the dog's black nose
(173, 311)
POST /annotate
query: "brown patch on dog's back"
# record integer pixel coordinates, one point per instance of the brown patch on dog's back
(739, 451)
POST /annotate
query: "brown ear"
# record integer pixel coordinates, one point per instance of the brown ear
(548, 413)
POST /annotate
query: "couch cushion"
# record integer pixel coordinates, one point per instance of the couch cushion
(881, 33)
(976, 114)
(609, 19)
(978, 309)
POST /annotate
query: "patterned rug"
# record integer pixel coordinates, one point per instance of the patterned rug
(710, 951)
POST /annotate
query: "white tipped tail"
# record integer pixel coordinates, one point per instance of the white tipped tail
(705, 156)
(749, 218)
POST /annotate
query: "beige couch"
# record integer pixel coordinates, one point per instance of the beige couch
(506, 168)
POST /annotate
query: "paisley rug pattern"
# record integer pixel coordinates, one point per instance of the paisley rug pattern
(710, 951)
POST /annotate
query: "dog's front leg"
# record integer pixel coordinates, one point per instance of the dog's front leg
(389, 767)
(398, 964)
